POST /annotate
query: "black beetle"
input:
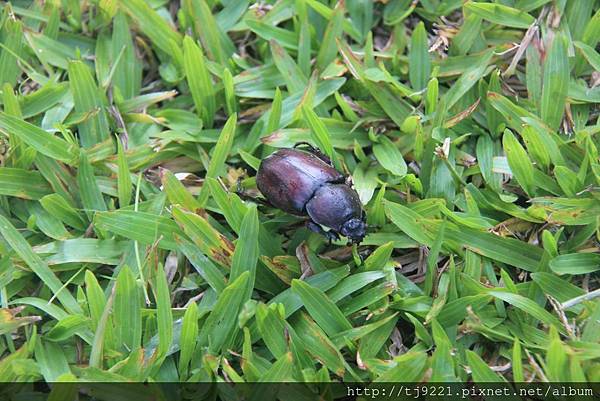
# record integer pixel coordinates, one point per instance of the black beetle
(305, 183)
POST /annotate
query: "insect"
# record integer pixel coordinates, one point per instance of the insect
(305, 183)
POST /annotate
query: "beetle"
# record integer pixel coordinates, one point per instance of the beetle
(305, 183)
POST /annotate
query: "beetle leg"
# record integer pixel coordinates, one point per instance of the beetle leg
(315, 151)
(244, 195)
(305, 143)
(330, 235)
(239, 189)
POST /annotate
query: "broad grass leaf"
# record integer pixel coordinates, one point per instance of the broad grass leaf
(354, 283)
(272, 326)
(95, 297)
(370, 297)
(151, 24)
(281, 371)
(389, 156)
(501, 14)
(127, 76)
(83, 250)
(124, 184)
(323, 281)
(365, 182)
(442, 364)
(289, 104)
(164, 316)
(480, 371)
(389, 100)
(60, 208)
(319, 133)
(22, 248)
(519, 162)
(517, 118)
(144, 227)
(209, 272)
(557, 358)
(199, 81)
(328, 49)
(462, 85)
(40, 140)
(49, 96)
(295, 79)
(209, 240)
(485, 156)
(219, 155)
(591, 55)
(126, 316)
(12, 34)
(528, 306)
(517, 368)
(372, 343)
(575, 263)
(245, 256)
(455, 311)
(379, 257)
(221, 325)
(321, 308)
(229, 93)
(230, 204)
(567, 180)
(66, 328)
(304, 45)
(467, 35)
(406, 368)
(408, 221)
(419, 63)
(356, 333)
(58, 176)
(536, 147)
(318, 344)
(88, 100)
(558, 287)
(275, 113)
(51, 359)
(555, 82)
(91, 197)
(188, 339)
(286, 38)
(217, 44)
(177, 193)
(145, 101)
(24, 184)
(507, 250)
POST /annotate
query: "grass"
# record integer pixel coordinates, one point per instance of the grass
(470, 130)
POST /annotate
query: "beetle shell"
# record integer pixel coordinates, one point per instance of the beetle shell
(333, 205)
(289, 178)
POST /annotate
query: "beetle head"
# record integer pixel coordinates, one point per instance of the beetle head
(355, 229)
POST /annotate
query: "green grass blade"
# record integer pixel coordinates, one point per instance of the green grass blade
(88, 99)
(321, 308)
(198, 78)
(556, 83)
(501, 14)
(151, 24)
(419, 64)
(40, 140)
(22, 248)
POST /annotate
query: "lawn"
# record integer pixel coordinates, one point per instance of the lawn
(134, 244)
